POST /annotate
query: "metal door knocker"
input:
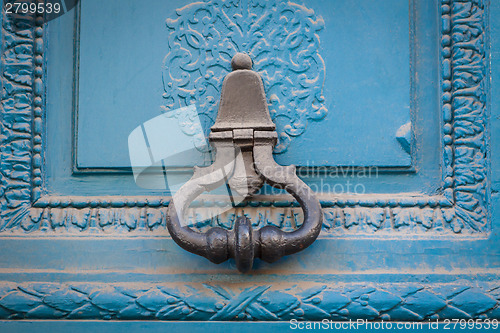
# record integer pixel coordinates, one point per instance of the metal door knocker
(244, 126)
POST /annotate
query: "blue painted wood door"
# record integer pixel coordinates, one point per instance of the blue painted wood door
(389, 110)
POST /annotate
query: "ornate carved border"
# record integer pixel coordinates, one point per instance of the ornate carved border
(461, 209)
(394, 301)
(22, 91)
(464, 97)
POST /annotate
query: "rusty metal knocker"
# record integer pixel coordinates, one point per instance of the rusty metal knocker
(244, 126)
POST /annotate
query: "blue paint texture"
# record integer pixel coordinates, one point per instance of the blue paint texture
(409, 86)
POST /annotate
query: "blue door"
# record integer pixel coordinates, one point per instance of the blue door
(389, 110)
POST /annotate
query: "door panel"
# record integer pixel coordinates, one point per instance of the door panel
(357, 51)
(390, 120)
(396, 156)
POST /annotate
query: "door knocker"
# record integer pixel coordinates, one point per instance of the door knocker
(244, 126)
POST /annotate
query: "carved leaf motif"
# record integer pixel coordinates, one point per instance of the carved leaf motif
(282, 39)
(173, 312)
(424, 303)
(351, 217)
(383, 301)
(109, 300)
(473, 301)
(155, 218)
(375, 217)
(154, 300)
(44, 312)
(65, 300)
(134, 311)
(202, 302)
(279, 302)
(81, 218)
(312, 312)
(401, 217)
(469, 104)
(363, 311)
(391, 301)
(19, 301)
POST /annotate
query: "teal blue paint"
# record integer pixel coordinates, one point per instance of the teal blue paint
(355, 268)
(334, 255)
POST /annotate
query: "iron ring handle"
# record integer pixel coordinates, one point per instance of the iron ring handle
(244, 244)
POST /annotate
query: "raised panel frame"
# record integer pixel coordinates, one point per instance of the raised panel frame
(460, 208)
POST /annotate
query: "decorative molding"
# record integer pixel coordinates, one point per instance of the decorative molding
(264, 302)
(461, 208)
(464, 84)
(21, 123)
(340, 219)
(281, 37)
(38, 102)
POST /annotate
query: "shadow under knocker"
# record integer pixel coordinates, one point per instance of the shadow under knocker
(243, 125)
